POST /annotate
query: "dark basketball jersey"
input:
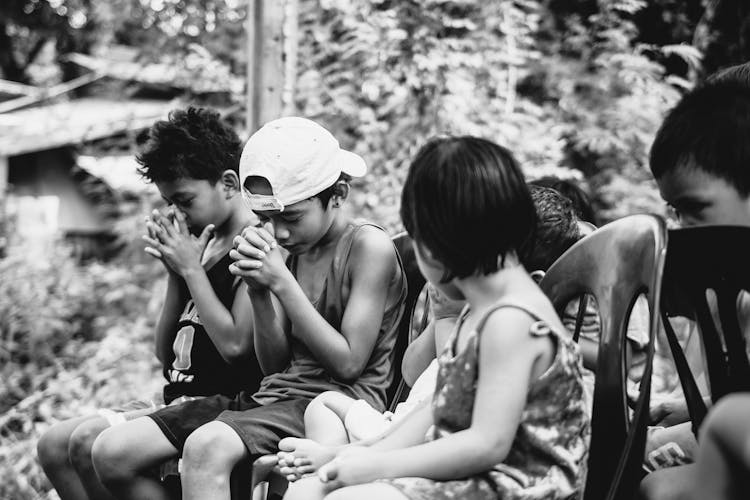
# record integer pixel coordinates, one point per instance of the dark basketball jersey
(198, 369)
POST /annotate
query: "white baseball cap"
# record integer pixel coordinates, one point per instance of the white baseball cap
(298, 157)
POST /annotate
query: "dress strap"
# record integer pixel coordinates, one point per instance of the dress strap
(538, 329)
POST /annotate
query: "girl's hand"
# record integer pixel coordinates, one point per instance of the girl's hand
(258, 258)
(356, 466)
(170, 240)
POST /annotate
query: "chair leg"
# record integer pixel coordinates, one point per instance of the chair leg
(261, 491)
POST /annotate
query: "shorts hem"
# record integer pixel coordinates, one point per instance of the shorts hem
(164, 428)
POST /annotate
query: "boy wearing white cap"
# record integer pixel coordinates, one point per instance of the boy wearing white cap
(325, 318)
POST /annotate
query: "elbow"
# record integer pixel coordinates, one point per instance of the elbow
(494, 451)
(237, 353)
(490, 452)
(347, 373)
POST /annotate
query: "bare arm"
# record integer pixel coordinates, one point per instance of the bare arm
(166, 326)
(254, 248)
(420, 353)
(271, 341)
(231, 331)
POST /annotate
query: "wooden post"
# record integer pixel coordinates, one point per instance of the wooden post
(291, 45)
(3, 204)
(265, 68)
(272, 61)
(253, 39)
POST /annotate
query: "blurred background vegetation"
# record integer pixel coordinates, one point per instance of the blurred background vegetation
(575, 88)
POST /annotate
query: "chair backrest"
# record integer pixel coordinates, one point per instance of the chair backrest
(700, 259)
(415, 282)
(615, 264)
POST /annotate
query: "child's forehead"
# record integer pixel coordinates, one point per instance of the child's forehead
(182, 185)
(692, 181)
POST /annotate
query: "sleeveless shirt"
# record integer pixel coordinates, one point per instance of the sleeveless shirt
(305, 377)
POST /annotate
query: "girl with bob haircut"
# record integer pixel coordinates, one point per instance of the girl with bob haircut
(507, 419)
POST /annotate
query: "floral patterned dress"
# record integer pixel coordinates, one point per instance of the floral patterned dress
(549, 453)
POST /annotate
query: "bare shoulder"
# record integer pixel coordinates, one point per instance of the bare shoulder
(506, 331)
(372, 245)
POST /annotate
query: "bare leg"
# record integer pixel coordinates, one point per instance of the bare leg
(371, 491)
(123, 453)
(81, 442)
(211, 453)
(325, 416)
(671, 483)
(307, 488)
(723, 462)
(52, 450)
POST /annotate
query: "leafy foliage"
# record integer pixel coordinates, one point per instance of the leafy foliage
(574, 89)
(72, 339)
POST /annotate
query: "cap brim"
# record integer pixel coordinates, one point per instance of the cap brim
(351, 163)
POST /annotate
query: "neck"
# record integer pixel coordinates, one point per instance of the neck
(238, 219)
(330, 238)
(481, 291)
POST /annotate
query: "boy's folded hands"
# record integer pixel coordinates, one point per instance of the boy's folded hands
(169, 240)
(258, 258)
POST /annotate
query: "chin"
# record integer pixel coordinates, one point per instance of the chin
(451, 291)
(294, 249)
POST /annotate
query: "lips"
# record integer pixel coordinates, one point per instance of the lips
(294, 248)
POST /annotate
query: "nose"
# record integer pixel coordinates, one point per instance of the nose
(281, 233)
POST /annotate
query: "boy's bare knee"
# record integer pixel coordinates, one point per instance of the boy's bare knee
(214, 447)
(52, 448)
(660, 485)
(82, 441)
(111, 457)
(316, 405)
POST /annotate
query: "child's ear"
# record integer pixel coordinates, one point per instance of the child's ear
(537, 276)
(230, 182)
(340, 192)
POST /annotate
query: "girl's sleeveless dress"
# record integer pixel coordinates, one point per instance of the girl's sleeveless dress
(549, 453)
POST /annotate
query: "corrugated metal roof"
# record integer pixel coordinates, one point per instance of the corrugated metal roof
(73, 122)
(206, 75)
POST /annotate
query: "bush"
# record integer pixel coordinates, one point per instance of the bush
(72, 339)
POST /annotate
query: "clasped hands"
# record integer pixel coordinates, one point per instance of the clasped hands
(258, 258)
(170, 241)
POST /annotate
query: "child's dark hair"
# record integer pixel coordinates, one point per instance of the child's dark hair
(739, 74)
(708, 130)
(556, 229)
(571, 190)
(194, 143)
(466, 201)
